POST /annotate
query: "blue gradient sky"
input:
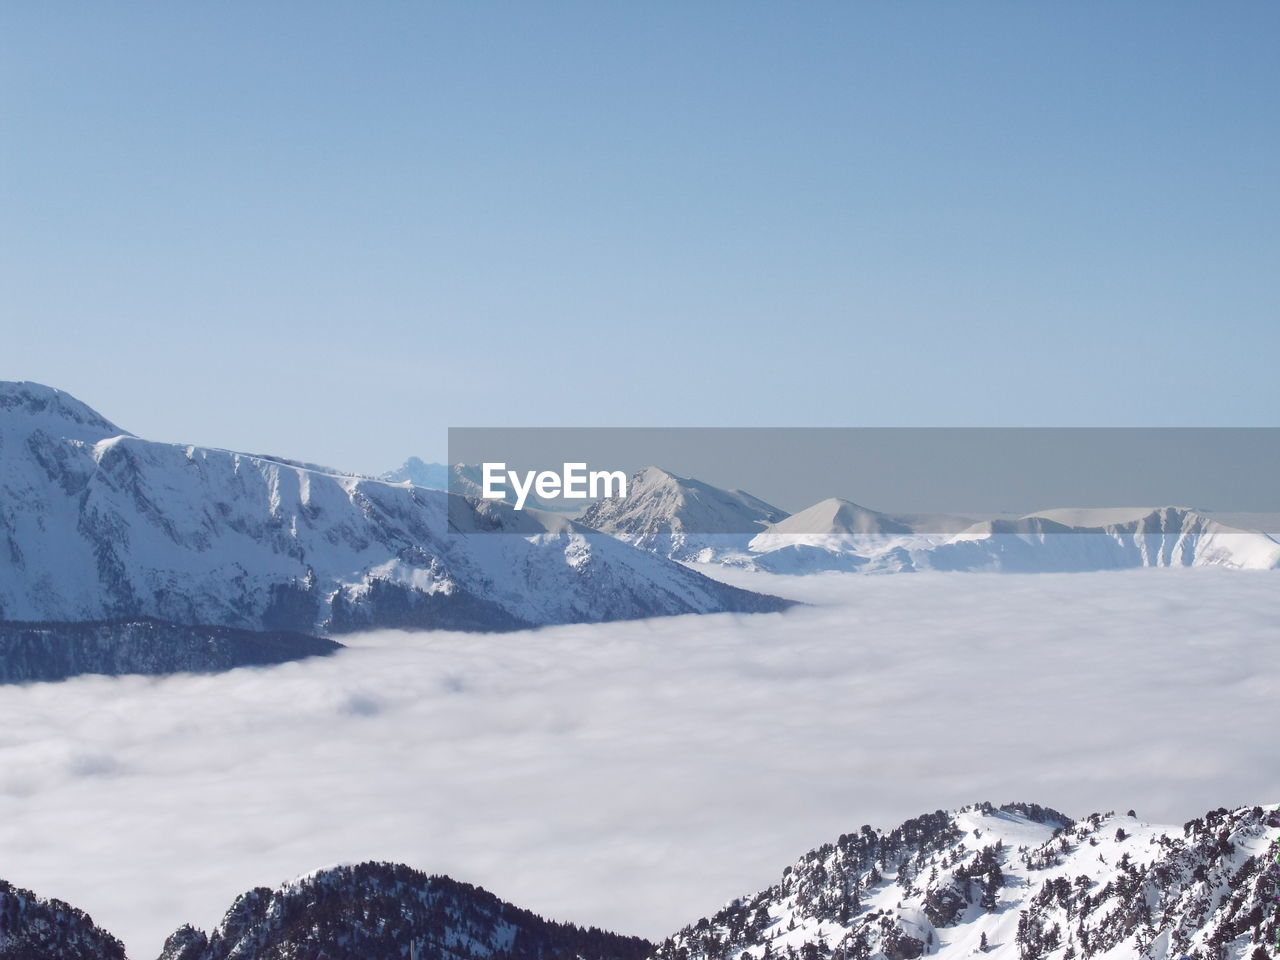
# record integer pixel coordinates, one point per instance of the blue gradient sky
(331, 230)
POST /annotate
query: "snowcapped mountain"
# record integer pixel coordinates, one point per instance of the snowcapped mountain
(35, 928)
(836, 516)
(1020, 882)
(834, 534)
(680, 517)
(692, 521)
(1072, 540)
(1058, 541)
(381, 910)
(97, 524)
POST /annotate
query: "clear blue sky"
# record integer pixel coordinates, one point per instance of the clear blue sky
(332, 230)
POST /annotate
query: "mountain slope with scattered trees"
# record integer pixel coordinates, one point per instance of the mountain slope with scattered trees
(380, 910)
(1017, 882)
(35, 928)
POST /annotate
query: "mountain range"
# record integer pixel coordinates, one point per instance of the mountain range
(1015, 882)
(98, 525)
(165, 544)
(690, 520)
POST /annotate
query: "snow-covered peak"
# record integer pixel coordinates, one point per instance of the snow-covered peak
(839, 516)
(27, 407)
(661, 502)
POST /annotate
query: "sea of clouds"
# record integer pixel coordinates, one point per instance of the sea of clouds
(637, 775)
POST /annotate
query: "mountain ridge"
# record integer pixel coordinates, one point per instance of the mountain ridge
(838, 534)
(1016, 882)
(98, 524)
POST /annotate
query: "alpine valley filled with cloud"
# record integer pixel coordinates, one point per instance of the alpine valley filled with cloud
(639, 480)
(252, 707)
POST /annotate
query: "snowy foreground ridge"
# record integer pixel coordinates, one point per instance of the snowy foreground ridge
(99, 525)
(1018, 882)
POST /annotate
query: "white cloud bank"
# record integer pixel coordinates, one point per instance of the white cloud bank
(637, 775)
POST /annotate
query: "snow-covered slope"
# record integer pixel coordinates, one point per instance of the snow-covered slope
(380, 911)
(1014, 883)
(680, 517)
(836, 516)
(834, 534)
(97, 524)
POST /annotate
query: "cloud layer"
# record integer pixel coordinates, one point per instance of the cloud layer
(637, 775)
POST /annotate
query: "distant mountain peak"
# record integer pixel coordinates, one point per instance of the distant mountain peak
(660, 502)
(835, 515)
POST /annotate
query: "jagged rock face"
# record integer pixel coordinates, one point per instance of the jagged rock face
(96, 524)
(32, 928)
(378, 910)
(33, 652)
(1019, 883)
